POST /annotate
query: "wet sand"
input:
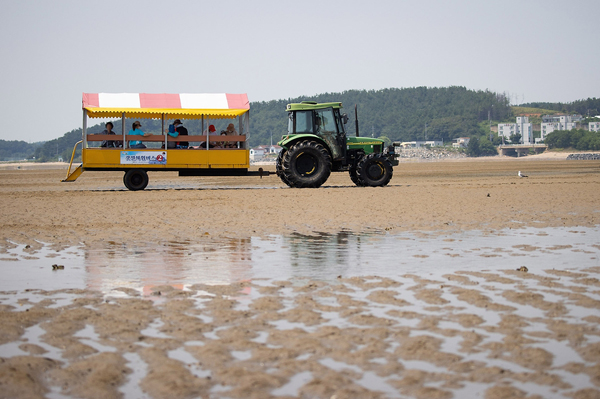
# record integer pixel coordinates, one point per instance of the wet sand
(35, 205)
(495, 333)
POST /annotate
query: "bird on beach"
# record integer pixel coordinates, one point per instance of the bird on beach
(521, 174)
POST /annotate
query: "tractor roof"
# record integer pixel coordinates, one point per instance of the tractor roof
(311, 105)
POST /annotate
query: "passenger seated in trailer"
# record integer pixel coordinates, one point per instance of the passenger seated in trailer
(212, 131)
(135, 130)
(173, 133)
(230, 131)
(181, 131)
(223, 144)
(226, 144)
(110, 143)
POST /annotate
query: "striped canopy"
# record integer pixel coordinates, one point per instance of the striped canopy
(153, 106)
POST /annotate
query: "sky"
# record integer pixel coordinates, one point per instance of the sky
(53, 51)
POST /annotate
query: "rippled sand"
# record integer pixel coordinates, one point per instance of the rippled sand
(498, 333)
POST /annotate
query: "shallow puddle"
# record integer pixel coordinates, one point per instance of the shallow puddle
(319, 256)
(346, 315)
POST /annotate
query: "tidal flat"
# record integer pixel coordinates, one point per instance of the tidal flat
(458, 279)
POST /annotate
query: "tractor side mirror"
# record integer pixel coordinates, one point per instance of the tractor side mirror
(345, 118)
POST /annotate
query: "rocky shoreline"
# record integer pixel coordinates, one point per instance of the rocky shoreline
(433, 154)
(583, 157)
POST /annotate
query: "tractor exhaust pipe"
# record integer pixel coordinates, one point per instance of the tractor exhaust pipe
(356, 119)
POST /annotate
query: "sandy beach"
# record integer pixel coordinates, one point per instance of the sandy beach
(473, 194)
(483, 332)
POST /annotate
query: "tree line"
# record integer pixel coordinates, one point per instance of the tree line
(580, 139)
(589, 107)
(418, 113)
(17, 150)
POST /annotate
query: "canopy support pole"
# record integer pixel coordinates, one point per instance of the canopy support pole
(123, 129)
(246, 129)
(163, 131)
(206, 131)
(84, 129)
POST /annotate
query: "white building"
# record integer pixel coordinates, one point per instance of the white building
(558, 122)
(258, 153)
(562, 118)
(460, 142)
(594, 127)
(522, 127)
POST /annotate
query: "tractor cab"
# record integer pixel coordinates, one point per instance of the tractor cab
(321, 120)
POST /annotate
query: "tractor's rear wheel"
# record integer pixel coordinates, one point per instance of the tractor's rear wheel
(374, 170)
(279, 168)
(306, 164)
(135, 179)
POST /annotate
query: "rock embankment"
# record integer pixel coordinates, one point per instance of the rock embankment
(583, 157)
(432, 154)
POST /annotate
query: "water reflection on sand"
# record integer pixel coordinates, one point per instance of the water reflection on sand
(407, 315)
(321, 256)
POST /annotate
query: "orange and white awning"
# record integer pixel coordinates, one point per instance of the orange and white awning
(183, 105)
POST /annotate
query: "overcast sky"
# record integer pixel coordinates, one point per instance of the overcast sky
(53, 51)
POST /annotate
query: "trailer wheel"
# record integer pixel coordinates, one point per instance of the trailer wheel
(135, 179)
(279, 168)
(306, 164)
(374, 170)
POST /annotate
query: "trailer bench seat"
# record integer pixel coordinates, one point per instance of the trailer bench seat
(160, 138)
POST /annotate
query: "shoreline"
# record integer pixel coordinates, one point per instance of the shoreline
(550, 155)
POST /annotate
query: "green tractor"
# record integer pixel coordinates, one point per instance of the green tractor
(316, 145)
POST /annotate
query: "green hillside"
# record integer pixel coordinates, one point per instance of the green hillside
(397, 114)
(588, 107)
(534, 114)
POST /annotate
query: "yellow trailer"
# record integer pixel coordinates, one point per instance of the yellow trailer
(201, 158)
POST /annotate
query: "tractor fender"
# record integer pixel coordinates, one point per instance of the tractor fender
(288, 141)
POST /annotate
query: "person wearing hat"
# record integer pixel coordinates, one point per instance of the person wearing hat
(210, 131)
(231, 130)
(181, 131)
(136, 130)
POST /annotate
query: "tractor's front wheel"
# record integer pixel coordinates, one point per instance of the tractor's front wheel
(354, 177)
(374, 170)
(306, 164)
(135, 179)
(279, 168)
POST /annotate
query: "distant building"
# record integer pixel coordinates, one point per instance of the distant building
(460, 142)
(551, 123)
(562, 118)
(522, 127)
(594, 127)
(258, 153)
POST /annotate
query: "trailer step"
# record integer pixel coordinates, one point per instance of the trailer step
(73, 176)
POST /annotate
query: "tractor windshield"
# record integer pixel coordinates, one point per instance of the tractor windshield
(302, 123)
(325, 122)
